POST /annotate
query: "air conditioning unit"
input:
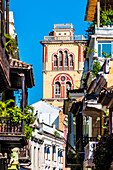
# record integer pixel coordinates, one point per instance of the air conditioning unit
(107, 65)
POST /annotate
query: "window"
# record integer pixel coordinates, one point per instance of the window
(68, 87)
(105, 46)
(60, 60)
(60, 155)
(57, 90)
(55, 62)
(54, 154)
(71, 62)
(65, 60)
(48, 153)
(45, 152)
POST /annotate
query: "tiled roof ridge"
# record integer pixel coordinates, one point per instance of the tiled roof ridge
(18, 63)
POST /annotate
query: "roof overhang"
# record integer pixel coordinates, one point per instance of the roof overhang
(91, 8)
(106, 97)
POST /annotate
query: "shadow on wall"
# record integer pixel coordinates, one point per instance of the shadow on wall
(56, 121)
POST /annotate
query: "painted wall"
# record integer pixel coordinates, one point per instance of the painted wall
(47, 113)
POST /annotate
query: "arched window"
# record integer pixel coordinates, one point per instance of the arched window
(57, 90)
(68, 87)
(71, 62)
(55, 62)
(60, 60)
(65, 60)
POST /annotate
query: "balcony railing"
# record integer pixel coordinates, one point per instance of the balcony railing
(87, 139)
(7, 126)
(89, 149)
(59, 38)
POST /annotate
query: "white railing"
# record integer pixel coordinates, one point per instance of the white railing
(55, 38)
(88, 158)
(105, 30)
(61, 26)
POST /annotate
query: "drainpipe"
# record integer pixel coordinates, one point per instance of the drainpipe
(98, 13)
(7, 16)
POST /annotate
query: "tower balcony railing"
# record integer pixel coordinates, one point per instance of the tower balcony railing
(66, 37)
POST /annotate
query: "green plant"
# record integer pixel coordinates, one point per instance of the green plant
(5, 107)
(103, 154)
(17, 116)
(106, 18)
(106, 55)
(96, 68)
(56, 133)
(11, 46)
(28, 120)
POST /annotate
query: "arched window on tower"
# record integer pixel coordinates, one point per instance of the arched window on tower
(55, 62)
(60, 60)
(71, 62)
(57, 90)
(65, 60)
(68, 87)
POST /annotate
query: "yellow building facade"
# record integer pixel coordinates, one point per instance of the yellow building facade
(63, 60)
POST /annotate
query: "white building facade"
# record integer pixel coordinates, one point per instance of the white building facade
(46, 148)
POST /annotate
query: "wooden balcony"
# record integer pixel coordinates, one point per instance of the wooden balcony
(11, 134)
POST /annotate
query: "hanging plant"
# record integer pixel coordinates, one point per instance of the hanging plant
(11, 46)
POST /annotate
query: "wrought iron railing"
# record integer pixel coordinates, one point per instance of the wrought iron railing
(87, 139)
(8, 126)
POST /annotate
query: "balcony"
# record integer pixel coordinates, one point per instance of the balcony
(11, 134)
(65, 38)
(104, 31)
(88, 158)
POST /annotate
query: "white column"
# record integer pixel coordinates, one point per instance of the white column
(98, 13)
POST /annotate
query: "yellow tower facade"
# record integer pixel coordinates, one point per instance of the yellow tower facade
(63, 61)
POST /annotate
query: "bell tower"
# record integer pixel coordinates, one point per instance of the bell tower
(63, 60)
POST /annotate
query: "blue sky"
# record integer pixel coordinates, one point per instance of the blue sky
(33, 20)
